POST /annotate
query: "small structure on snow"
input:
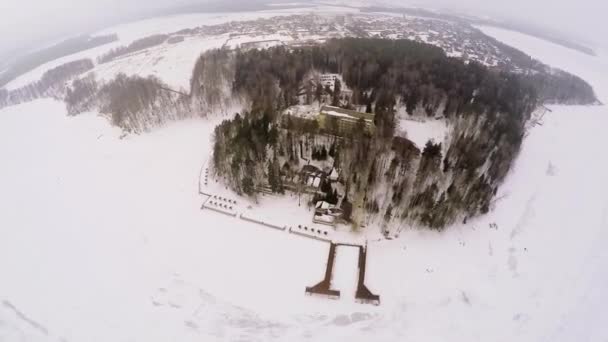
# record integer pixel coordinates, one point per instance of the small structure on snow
(326, 213)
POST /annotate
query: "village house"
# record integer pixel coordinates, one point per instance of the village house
(308, 180)
(328, 80)
(312, 177)
(326, 213)
(260, 44)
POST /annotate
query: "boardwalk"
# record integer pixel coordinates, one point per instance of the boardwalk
(364, 295)
(323, 288)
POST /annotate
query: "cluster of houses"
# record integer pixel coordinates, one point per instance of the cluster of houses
(325, 212)
(456, 37)
(310, 178)
(335, 121)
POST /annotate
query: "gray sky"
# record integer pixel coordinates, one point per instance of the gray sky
(24, 23)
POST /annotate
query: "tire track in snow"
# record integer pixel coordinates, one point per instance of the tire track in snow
(592, 267)
(525, 217)
(25, 318)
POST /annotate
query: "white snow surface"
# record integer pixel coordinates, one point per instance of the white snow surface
(419, 132)
(103, 239)
(171, 63)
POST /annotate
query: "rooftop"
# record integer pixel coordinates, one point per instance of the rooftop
(346, 113)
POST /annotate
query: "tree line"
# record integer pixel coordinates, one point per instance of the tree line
(51, 84)
(137, 45)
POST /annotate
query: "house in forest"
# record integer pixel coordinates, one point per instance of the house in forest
(331, 81)
(326, 213)
(312, 176)
(339, 120)
(328, 80)
(308, 180)
(334, 175)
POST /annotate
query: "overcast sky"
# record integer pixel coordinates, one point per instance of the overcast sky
(585, 19)
(27, 22)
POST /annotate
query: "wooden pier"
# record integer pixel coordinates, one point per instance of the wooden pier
(363, 294)
(323, 288)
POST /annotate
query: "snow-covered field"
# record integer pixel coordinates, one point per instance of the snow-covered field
(172, 63)
(103, 239)
(420, 132)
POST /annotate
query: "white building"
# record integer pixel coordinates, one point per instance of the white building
(329, 80)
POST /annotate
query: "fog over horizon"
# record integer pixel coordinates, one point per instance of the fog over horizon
(34, 23)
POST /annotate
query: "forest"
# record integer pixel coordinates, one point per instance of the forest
(432, 186)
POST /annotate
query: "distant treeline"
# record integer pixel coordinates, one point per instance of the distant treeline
(52, 83)
(65, 48)
(135, 46)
